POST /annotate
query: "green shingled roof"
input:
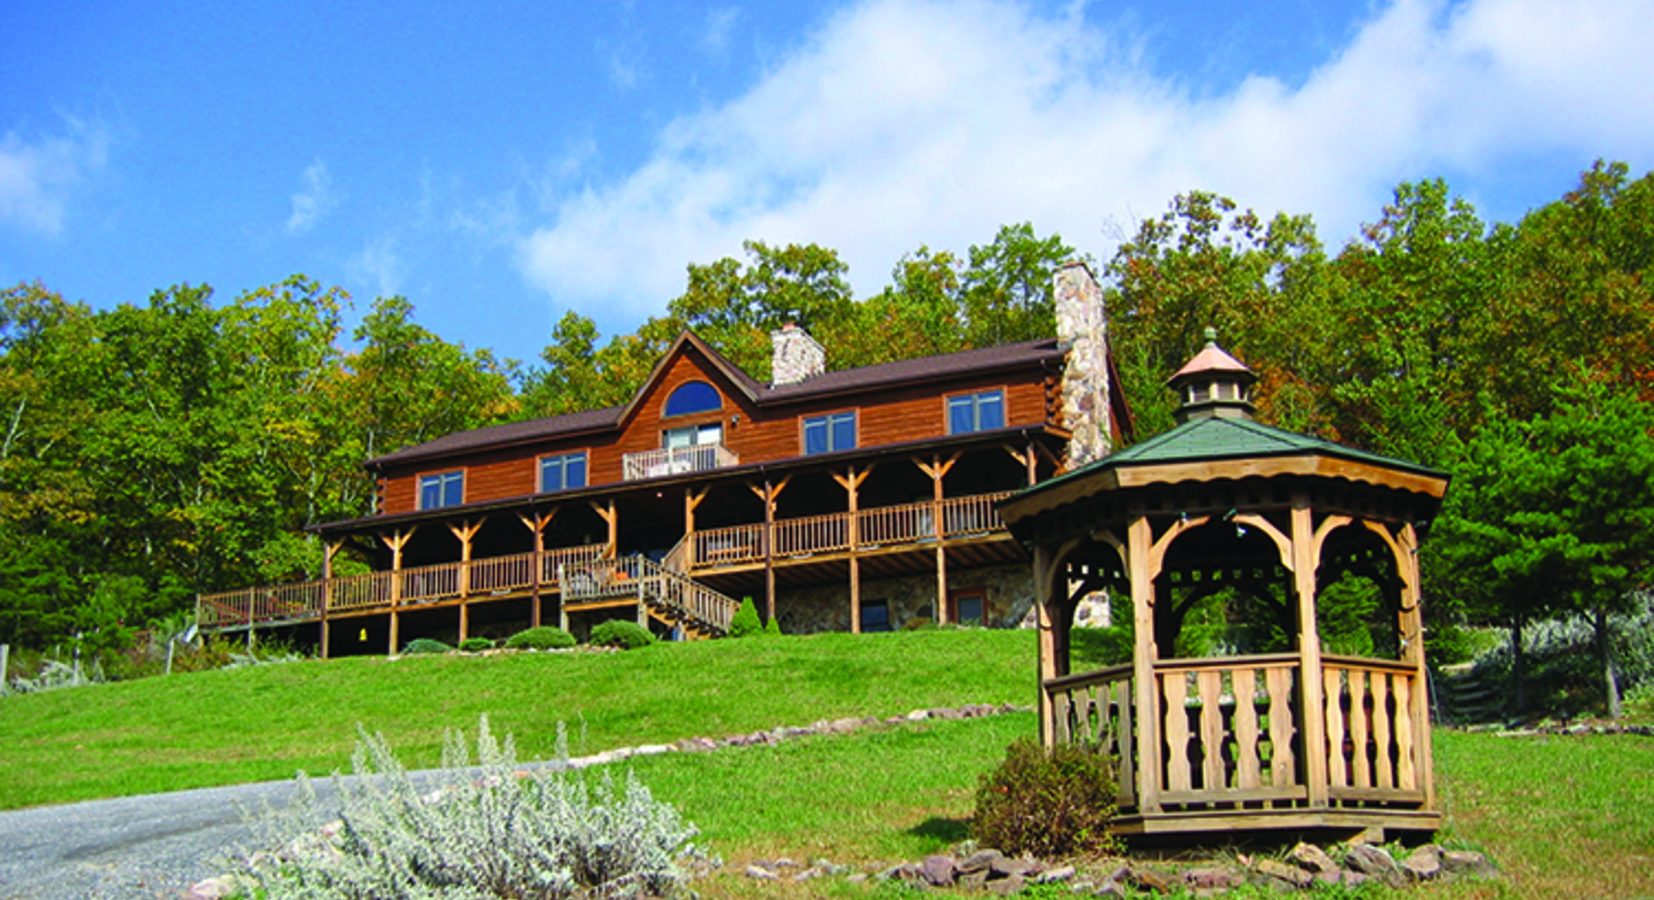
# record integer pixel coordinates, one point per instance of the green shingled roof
(1227, 438)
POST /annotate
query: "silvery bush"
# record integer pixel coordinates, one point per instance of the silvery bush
(478, 828)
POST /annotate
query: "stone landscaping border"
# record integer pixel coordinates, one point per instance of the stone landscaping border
(788, 732)
(1306, 867)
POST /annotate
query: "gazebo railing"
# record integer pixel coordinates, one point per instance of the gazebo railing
(1231, 735)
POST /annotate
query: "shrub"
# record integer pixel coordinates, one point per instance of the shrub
(543, 638)
(621, 633)
(772, 628)
(425, 645)
(1047, 804)
(746, 621)
(918, 623)
(476, 645)
(461, 833)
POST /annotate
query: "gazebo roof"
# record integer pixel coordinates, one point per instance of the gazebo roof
(1225, 448)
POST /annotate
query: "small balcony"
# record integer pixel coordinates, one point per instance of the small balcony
(677, 461)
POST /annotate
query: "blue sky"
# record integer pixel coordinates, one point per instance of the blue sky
(502, 163)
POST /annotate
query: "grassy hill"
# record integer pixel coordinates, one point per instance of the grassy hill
(267, 722)
(1563, 815)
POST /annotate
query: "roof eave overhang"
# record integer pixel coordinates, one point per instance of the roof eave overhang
(747, 470)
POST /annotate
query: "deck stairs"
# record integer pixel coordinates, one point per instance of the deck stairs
(1468, 696)
(663, 593)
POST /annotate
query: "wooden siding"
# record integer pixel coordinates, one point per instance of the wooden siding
(883, 416)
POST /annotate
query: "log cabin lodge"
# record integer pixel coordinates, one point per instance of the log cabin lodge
(976, 488)
(855, 500)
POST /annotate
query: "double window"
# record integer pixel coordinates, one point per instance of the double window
(559, 473)
(983, 411)
(693, 436)
(441, 489)
(830, 433)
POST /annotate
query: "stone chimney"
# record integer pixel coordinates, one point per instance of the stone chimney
(797, 356)
(1083, 327)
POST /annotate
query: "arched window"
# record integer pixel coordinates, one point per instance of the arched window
(693, 397)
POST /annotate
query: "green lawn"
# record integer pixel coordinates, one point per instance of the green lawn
(229, 726)
(1564, 816)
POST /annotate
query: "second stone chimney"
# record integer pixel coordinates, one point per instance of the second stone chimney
(1083, 326)
(797, 356)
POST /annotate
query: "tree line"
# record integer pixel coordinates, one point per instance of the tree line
(151, 451)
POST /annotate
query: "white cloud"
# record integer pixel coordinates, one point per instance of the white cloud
(380, 265)
(39, 174)
(903, 122)
(720, 24)
(314, 200)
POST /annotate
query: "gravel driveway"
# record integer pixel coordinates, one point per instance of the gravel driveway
(131, 847)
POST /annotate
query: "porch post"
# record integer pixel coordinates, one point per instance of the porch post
(396, 542)
(852, 485)
(536, 522)
(937, 469)
(1139, 541)
(329, 548)
(1312, 713)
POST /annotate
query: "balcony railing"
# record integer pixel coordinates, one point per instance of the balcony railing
(1232, 730)
(677, 461)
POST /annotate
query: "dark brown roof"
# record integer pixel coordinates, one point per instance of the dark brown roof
(507, 435)
(910, 371)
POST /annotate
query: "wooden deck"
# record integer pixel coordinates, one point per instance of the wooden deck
(582, 574)
(1225, 739)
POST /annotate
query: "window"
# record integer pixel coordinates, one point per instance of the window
(693, 436)
(875, 616)
(441, 489)
(693, 397)
(967, 607)
(830, 433)
(976, 412)
(559, 473)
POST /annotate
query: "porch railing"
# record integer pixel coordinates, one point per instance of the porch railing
(357, 593)
(884, 526)
(1231, 733)
(677, 461)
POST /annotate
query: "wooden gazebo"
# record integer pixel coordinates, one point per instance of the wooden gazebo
(1241, 522)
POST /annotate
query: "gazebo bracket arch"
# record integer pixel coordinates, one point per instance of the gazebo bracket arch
(1157, 552)
(1282, 542)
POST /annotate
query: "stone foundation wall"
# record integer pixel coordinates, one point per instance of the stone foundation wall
(806, 610)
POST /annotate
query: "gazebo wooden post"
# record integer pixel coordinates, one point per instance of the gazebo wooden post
(1312, 711)
(1413, 633)
(1139, 542)
(1046, 563)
